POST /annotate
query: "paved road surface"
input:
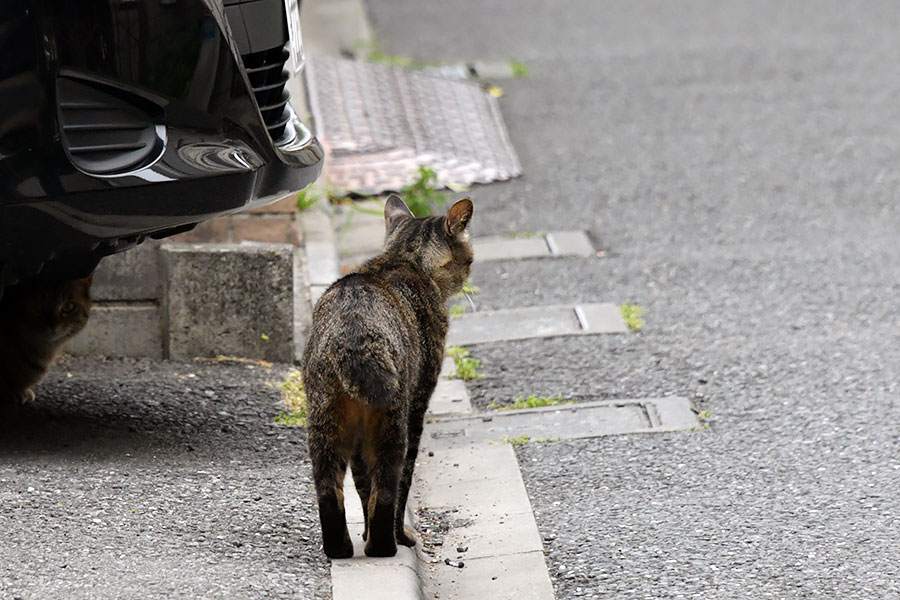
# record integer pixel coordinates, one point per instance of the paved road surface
(738, 163)
(141, 479)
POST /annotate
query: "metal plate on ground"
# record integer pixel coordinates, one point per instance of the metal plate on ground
(589, 419)
(380, 123)
(535, 322)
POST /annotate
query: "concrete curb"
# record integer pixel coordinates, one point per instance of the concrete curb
(183, 301)
(397, 577)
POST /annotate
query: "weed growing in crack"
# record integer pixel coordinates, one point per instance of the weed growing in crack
(631, 314)
(457, 310)
(293, 397)
(466, 366)
(421, 196)
(531, 401)
(519, 440)
(518, 69)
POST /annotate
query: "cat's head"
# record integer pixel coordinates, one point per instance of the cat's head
(438, 245)
(54, 311)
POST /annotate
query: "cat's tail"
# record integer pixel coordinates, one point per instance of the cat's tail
(373, 378)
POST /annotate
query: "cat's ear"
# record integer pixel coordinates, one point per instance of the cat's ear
(458, 216)
(395, 212)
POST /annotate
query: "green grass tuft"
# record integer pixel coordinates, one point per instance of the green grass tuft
(421, 196)
(519, 440)
(469, 288)
(375, 54)
(632, 313)
(293, 397)
(308, 198)
(531, 401)
(457, 310)
(518, 69)
(466, 367)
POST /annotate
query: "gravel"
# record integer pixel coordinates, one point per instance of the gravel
(142, 479)
(737, 164)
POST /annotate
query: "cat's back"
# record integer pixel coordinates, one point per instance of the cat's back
(361, 309)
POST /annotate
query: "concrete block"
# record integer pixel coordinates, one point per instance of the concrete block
(372, 579)
(521, 576)
(450, 397)
(322, 263)
(236, 300)
(493, 535)
(535, 322)
(570, 243)
(129, 275)
(513, 324)
(360, 238)
(133, 330)
(315, 292)
(506, 248)
(601, 317)
(566, 421)
(494, 498)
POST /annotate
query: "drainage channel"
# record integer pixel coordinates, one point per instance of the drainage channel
(535, 322)
(582, 420)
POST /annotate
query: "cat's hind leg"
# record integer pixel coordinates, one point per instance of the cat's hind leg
(384, 450)
(362, 479)
(405, 536)
(329, 463)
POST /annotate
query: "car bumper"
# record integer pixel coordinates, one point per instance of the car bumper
(120, 120)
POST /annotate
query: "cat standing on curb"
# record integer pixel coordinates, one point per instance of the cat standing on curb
(370, 366)
(37, 317)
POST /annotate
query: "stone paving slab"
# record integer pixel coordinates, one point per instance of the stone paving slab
(503, 247)
(571, 421)
(510, 576)
(392, 578)
(535, 322)
(360, 235)
(450, 397)
(493, 519)
(570, 243)
(389, 578)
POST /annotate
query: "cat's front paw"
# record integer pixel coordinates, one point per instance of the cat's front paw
(406, 537)
(28, 396)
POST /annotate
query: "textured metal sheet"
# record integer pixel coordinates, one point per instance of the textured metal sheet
(380, 123)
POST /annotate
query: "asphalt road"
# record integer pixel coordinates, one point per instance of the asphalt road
(738, 164)
(143, 480)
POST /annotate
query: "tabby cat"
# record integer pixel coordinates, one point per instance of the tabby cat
(370, 366)
(37, 317)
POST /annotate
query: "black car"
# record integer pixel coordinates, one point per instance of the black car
(122, 119)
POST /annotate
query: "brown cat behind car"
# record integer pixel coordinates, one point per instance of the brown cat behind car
(371, 364)
(37, 317)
